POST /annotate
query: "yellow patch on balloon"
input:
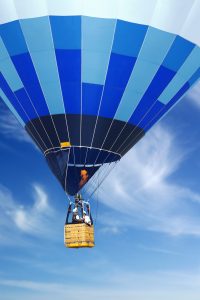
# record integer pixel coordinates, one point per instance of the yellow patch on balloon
(65, 144)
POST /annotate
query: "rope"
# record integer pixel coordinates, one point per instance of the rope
(97, 206)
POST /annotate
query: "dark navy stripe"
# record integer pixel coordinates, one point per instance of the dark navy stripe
(112, 141)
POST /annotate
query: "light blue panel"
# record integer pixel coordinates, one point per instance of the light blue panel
(127, 113)
(37, 33)
(190, 66)
(38, 36)
(47, 72)
(97, 34)
(154, 49)
(94, 70)
(97, 40)
(156, 45)
(195, 77)
(7, 102)
(3, 51)
(8, 70)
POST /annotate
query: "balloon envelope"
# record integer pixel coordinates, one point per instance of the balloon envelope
(87, 79)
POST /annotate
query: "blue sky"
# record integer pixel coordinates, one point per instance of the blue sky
(147, 227)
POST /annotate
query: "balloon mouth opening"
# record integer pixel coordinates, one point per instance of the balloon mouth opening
(74, 166)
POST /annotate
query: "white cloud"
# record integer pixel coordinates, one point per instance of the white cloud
(35, 220)
(114, 284)
(11, 128)
(31, 219)
(158, 250)
(145, 195)
(194, 95)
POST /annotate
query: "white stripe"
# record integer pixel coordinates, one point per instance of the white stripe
(170, 15)
(82, 165)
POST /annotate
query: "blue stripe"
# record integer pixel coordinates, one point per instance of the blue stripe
(128, 38)
(190, 66)
(26, 71)
(66, 32)
(9, 72)
(178, 53)
(155, 114)
(11, 97)
(154, 117)
(91, 96)
(148, 62)
(119, 71)
(26, 104)
(69, 65)
(142, 67)
(195, 77)
(42, 53)
(158, 84)
(69, 68)
(7, 68)
(13, 38)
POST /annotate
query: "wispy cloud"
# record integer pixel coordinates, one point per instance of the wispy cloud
(144, 192)
(34, 220)
(158, 250)
(11, 128)
(31, 219)
(116, 284)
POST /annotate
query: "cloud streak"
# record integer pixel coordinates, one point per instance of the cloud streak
(11, 128)
(118, 284)
(33, 220)
(144, 192)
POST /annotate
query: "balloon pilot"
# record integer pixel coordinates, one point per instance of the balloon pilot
(80, 213)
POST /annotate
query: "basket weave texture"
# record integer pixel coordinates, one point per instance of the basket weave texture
(79, 235)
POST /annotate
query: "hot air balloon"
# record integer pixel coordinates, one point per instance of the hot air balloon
(88, 78)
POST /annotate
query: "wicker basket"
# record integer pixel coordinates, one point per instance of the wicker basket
(79, 235)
